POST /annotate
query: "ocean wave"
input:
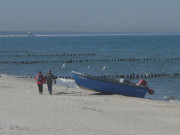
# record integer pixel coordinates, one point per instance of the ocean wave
(172, 99)
(6, 75)
(66, 82)
(13, 76)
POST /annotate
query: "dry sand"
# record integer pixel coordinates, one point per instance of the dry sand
(23, 111)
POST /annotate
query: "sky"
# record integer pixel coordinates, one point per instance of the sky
(90, 15)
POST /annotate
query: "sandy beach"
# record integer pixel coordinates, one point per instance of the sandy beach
(73, 111)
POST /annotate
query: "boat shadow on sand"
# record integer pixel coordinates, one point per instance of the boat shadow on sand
(101, 93)
(66, 93)
(72, 92)
(82, 93)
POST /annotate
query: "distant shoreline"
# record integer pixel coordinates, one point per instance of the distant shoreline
(76, 35)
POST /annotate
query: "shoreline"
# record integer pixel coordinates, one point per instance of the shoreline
(170, 99)
(79, 111)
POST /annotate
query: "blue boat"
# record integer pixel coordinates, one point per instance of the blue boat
(121, 86)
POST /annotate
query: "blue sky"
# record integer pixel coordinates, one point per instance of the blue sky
(90, 15)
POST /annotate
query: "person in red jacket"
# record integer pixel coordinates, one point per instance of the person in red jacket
(40, 80)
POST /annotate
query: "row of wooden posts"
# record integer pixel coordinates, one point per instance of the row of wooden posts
(11, 51)
(48, 55)
(129, 76)
(86, 60)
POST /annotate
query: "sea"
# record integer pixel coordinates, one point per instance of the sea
(99, 54)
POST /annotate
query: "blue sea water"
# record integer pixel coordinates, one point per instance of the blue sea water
(104, 47)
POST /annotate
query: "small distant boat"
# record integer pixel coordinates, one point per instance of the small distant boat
(121, 86)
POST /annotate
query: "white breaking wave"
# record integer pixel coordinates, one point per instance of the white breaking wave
(66, 82)
(172, 99)
(7, 75)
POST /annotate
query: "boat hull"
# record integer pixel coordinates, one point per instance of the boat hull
(107, 85)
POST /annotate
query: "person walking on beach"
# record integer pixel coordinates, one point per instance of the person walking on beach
(50, 77)
(40, 80)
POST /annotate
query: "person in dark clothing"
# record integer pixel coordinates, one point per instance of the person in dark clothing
(40, 80)
(49, 78)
